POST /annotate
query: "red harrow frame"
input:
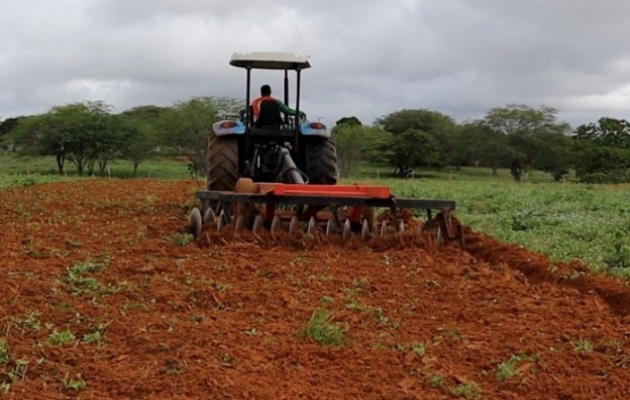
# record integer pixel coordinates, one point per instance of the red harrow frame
(336, 209)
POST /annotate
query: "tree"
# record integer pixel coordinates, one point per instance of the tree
(349, 121)
(478, 143)
(441, 127)
(141, 140)
(82, 133)
(40, 135)
(412, 148)
(186, 126)
(603, 150)
(355, 142)
(528, 131)
(6, 127)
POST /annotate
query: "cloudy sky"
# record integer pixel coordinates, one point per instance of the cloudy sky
(370, 57)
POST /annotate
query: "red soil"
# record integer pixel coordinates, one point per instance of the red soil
(213, 321)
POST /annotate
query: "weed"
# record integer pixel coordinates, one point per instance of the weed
(327, 300)
(419, 349)
(173, 368)
(222, 287)
(196, 318)
(78, 283)
(183, 239)
(30, 321)
(321, 329)
(469, 391)
(436, 381)
(94, 337)
(583, 345)
(252, 332)
(380, 317)
(508, 369)
(77, 384)
(59, 338)
(5, 352)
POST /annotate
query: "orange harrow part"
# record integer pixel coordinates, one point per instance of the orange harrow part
(355, 191)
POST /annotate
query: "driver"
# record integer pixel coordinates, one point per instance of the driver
(265, 94)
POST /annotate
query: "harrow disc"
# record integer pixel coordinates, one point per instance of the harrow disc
(195, 223)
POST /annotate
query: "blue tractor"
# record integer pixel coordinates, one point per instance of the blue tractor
(272, 147)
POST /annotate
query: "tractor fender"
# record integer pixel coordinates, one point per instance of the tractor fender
(228, 127)
(314, 129)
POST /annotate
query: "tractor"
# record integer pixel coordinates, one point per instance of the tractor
(279, 172)
(274, 147)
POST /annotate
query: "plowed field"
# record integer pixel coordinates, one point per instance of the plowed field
(104, 298)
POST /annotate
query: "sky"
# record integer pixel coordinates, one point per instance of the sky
(369, 57)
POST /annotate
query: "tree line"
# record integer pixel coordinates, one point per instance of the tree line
(515, 136)
(89, 135)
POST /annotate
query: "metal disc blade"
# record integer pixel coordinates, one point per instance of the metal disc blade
(346, 230)
(439, 236)
(258, 224)
(312, 225)
(276, 225)
(194, 222)
(221, 222)
(330, 227)
(209, 216)
(240, 223)
(401, 227)
(365, 231)
(294, 226)
(383, 228)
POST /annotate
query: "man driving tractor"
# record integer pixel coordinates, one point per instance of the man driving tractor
(266, 108)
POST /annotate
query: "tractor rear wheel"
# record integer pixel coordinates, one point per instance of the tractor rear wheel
(321, 161)
(222, 162)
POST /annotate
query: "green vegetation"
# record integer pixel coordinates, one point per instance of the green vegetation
(565, 221)
(322, 329)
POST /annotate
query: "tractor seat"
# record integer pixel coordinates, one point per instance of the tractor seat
(269, 116)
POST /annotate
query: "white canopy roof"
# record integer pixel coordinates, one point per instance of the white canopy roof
(270, 60)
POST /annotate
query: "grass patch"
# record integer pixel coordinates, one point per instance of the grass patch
(321, 329)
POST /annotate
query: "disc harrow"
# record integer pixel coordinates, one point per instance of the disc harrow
(339, 211)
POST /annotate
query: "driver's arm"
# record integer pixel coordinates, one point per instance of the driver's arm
(287, 110)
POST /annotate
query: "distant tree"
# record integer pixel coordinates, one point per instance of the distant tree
(186, 126)
(355, 142)
(442, 129)
(529, 131)
(6, 127)
(349, 121)
(148, 113)
(142, 140)
(83, 133)
(411, 149)
(40, 135)
(478, 143)
(603, 151)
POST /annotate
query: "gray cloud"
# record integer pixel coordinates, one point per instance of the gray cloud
(369, 57)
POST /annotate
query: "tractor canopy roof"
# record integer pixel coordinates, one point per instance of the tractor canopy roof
(270, 60)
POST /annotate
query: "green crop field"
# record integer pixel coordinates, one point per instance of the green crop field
(563, 220)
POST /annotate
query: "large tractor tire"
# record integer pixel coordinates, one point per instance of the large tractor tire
(321, 161)
(222, 162)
